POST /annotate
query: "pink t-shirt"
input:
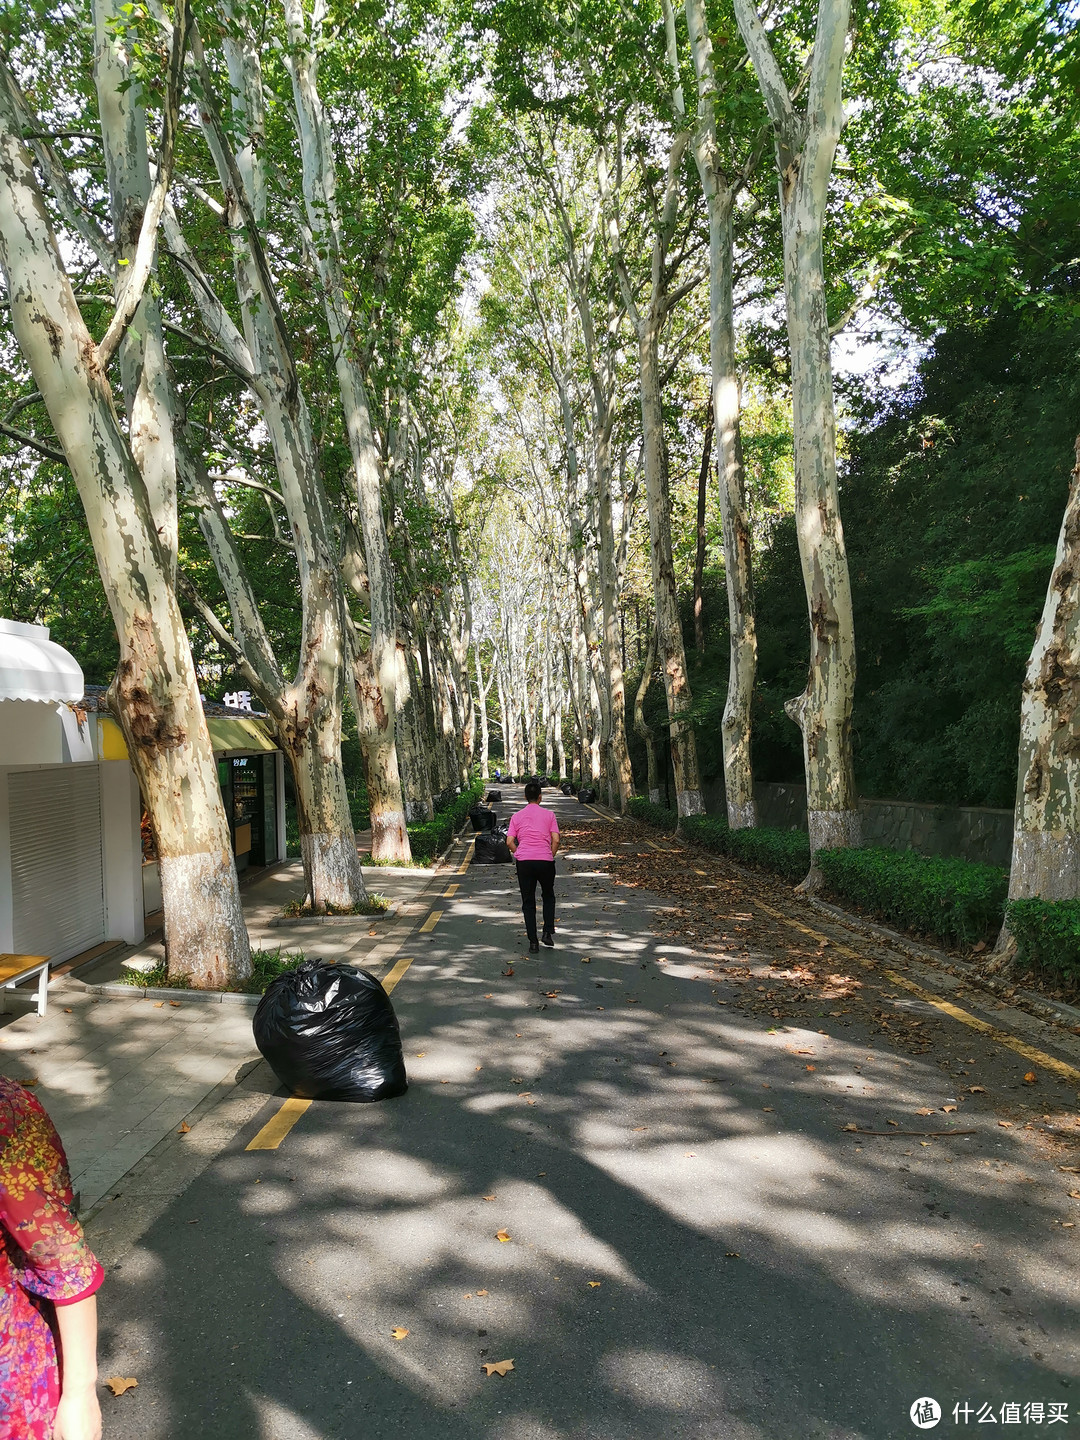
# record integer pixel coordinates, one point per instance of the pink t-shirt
(533, 828)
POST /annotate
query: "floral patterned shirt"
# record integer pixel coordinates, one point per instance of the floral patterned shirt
(44, 1261)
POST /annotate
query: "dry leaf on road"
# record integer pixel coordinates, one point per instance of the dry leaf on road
(924, 1110)
(594, 1284)
(399, 1332)
(119, 1383)
(481, 1292)
(1030, 1078)
(184, 1128)
(502, 1236)
(497, 1367)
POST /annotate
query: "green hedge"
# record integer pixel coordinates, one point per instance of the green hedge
(433, 836)
(787, 852)
(942, 895)
(641, 809)
(1047, 934)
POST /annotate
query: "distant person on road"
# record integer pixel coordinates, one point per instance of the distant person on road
(48, 1284)
(533, 838)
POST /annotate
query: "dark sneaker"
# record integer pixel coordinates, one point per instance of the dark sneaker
(547, 938)
(534, 945)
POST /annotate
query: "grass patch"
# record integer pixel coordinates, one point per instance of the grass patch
(266, 965)
(375, 904)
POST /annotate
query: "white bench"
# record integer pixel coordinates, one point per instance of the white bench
(14, 969)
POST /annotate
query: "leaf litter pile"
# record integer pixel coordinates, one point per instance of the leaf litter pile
(757, 965)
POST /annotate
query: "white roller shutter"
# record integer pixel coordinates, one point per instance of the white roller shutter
(57, 885)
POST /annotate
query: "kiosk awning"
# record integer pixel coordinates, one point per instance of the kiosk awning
(32, 667)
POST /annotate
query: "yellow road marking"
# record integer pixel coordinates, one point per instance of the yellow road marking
(395, 974)
(275, 1129)
(599, 812)
(431, 921)
(450, 891)
(1002, 1037)
(468, 857)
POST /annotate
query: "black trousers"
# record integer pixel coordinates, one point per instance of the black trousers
(528, 873)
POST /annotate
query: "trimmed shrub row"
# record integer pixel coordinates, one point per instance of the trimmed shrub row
(939, 894)
(787, 852)
(1047, 934)
(432, 836)
(641, 809)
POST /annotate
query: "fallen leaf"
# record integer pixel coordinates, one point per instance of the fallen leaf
(768, 1109)
(489, 1197)
(158, 1004)
(67, 1009)
(502, 1236)
(892, 1122)
(481, 1292)
(184, 1128)
(517, 1079)
(479, 1067)
(29, 1080)
(1074, 1194)
(1030, 1078)
(948, 1109)
(1005, 1124)
(119, 1383)
(1070, 1169)
(731, 1254)
(811, 1067)
(551, 994)
(852, 1126)
(497, 1367)
(924, 1110)
(175, 1004)
(976, 1090)
(488, 995)
(594, 1284)
(419, 1054)
(1068, 1224)
(509, 972)
(585, 961)
(641, 1127)
(399, 1332)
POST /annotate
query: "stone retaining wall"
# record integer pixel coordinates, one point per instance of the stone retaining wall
(970, 831)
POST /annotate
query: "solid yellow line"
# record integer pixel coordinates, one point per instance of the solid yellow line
(431, 921)
(599, 812)
(1002, 1037)
(395, 974)
(450, 891)
(468, 857)
(275, 1130)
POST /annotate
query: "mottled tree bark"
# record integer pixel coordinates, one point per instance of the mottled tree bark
(1046, 824)
(805, 143)
(155, 690)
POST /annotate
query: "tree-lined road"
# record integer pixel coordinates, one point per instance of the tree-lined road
(696, 1247)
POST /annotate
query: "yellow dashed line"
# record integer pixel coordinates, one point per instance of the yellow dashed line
(395, 974)
(275, 1130)
(450, 891)
(594, 810)
(1002, 1037)
(431, 921)
(468, 858)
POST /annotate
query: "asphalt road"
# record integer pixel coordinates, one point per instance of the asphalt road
(697, 1248)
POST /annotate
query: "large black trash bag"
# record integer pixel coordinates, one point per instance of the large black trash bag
(494, 797)
(566, 788)
(586, 796)
(482, 818)
(329, 1032)
(491, 848)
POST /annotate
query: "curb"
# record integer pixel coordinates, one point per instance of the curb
(283, 921)
(116, 991)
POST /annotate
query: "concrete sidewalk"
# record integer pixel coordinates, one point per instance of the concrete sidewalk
(119, 1069)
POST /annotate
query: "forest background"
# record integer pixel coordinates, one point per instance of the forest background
(465, 137)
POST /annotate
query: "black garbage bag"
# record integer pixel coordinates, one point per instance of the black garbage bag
(329, 1032)
(566, 788)
(494, 797)
(491, 848)
(482, 818)
(586, 796)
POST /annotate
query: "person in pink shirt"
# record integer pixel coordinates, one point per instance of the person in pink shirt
(533, 838)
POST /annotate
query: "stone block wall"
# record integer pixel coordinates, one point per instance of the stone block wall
(969, 831)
